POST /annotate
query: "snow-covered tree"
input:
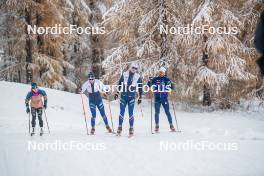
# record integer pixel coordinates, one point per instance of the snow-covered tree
(135, 27)
(57, 61)
(208, 65)
(224, 59)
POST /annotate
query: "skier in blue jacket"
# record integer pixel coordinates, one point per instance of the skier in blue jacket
(92, 88)
(129, 84)
(161, 86)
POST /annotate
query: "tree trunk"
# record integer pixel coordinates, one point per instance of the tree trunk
(164, 42)
(96, 43)
(28, 46)
(206, 90)
(40, 38)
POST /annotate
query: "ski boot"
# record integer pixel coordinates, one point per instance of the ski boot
(172, 128)
(109, 129)
(41, 131)
(131, 132)
(92, 131)
(33, 131)
(119, 130)
(156, 129)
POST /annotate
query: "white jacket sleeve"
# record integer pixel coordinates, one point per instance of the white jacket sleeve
(84, 87)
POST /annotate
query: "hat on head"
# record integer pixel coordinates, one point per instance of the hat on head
(34, 85)
(162, 69)
(134, 65)
(91, 75)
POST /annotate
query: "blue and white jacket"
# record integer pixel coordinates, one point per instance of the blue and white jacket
(93, 90)
(132, 80)
(161, 86)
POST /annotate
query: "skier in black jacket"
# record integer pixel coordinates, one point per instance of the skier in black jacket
(259, 42)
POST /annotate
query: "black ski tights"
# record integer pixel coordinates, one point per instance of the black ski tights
(35, 111)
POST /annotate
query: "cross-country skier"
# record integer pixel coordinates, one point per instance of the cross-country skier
(35, 97)
(259, 42)
(93, 87)
(129, 84)
(161, 86)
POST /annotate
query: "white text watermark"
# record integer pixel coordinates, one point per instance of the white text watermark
(203, 29)
(191, 145)
(59, 145)
(58, 29)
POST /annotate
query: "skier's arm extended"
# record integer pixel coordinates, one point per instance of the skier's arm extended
(150, 81)
(171, 84)
(28, 98)
(140, 87)
(121, 80)
(43, 93)
(84, 87)
(119, 84)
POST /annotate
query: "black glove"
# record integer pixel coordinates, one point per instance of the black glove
(116, 96)
(139, 100)
(45, 104)
(28, 110)
(80, 91)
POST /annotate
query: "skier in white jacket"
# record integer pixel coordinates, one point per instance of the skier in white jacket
(92, 88)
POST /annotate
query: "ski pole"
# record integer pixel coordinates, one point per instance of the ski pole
(175, 116)
(84, 115)
(111, 117)
(151, 102)
(29, 123)
(46, 120)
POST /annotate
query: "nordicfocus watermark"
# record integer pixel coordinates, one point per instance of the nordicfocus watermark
(203, 29)
(59, 145)
(191, 145)
(123, 87)
(58, 29)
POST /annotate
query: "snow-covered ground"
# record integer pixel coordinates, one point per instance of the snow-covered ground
(141, 155)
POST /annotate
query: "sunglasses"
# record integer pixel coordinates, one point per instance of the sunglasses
(91, 79)
(134, 68)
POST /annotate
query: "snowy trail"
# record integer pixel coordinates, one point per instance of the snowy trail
(140, 155)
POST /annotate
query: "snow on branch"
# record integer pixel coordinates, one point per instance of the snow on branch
(237, 69)
(147, 21)
(204, 13)
(209, 77)
(116, 56)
